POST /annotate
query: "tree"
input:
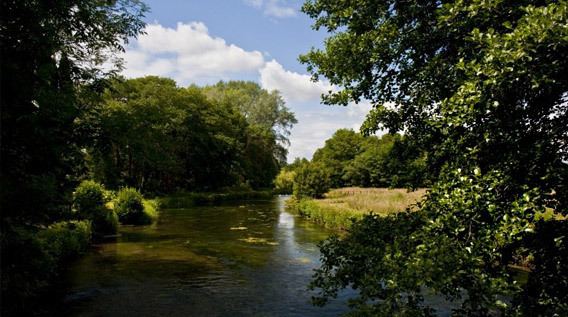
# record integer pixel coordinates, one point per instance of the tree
(338, 152)
(482, 86)
(48, 49)
(260, 108)
(311, 180)
(52, 55)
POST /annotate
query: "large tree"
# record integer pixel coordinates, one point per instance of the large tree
(483, 86)
(48, 49)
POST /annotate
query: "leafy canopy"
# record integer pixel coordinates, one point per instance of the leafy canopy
(482, 86)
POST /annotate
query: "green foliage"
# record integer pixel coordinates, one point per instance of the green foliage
(329, 216)
(52, 53)
(64, 240)
(52, 56)
(479, 86)
(387, 161)
(185, 200)
(89, 199)
(129, 207)
(104, 221)
(311, 180)
(162, 138)
(36, 256)
(284, 182)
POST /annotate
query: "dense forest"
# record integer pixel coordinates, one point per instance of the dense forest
(349, 158)
(150, 134)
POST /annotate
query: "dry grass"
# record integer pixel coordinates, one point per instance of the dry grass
(380, 201)
(341, 206)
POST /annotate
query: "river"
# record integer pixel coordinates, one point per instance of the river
(247, 258)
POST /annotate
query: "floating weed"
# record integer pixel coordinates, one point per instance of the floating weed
(258, 241)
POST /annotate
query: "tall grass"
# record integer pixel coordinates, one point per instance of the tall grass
(341, 207)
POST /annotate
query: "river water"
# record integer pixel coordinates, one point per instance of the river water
(247, 258)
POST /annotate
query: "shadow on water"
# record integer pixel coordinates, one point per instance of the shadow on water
(248, 258)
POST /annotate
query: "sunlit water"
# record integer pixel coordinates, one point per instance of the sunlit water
(239, 259)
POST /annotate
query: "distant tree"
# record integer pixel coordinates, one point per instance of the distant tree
(284, 181)
(311, 180)
(260, 108)
(338, 152)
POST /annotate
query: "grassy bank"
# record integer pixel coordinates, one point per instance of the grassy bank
(340, 206)
(183, 200)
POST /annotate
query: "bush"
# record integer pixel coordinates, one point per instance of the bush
(284, 182)
(66, 239)
(89, 200)
(130, 209)
(105, 221)
(31, 261)
(89, 196)
(311, 180)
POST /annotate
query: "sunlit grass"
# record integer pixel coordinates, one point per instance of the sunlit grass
(380, 201)
(341, 207)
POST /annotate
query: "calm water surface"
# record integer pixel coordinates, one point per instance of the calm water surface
(240, 259)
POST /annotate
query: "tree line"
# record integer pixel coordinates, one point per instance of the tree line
(151, 134)
(349, 158)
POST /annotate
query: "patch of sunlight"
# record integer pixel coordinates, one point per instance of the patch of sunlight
(258, 241)
(238, 228)
(304, 260)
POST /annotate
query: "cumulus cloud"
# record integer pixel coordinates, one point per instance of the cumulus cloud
(293, 86)
(188, 53)
(273, 8)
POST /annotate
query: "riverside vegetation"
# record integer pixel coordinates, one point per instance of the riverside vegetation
(341, 207)
(82, 146)
(473, 95)
(482, 86)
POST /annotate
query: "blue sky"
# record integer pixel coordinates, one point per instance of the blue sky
(205, 41)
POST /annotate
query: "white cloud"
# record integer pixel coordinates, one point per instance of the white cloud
(273, 8)
(188, 53)
(293, 86)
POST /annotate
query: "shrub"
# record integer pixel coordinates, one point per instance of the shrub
(311, 180)
(129, 207)
(90, 200)
(89, 196)
(105, 221)
(32, 258)
(284, 182)
(66, 239)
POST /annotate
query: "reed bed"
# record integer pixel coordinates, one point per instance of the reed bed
(341, 207)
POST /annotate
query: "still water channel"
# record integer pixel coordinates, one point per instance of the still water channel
(247, 258)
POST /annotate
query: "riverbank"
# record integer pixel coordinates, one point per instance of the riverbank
(340, 207)
(189, 199)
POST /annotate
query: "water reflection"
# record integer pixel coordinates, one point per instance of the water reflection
(241, 259)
